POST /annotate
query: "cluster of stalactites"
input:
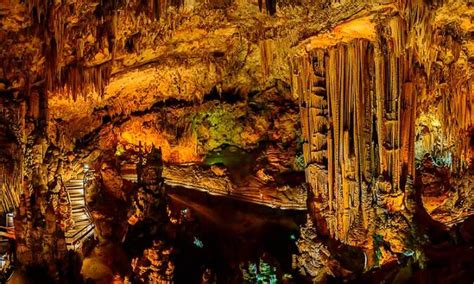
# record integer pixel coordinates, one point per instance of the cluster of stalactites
(358, 116)
(159, 8)
(82, 81)
(414, 31)
(358, 105)
(87, 70)
(77, 73)
(457, 112)
(456, 109)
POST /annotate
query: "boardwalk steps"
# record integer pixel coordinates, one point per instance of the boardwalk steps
(83, 225)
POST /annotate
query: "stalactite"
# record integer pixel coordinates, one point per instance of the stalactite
(266, 56)
(76, 77)
(350, 108)
(40, 7)
(372, 92)
(158, 9)
(415, 30)
(458, 119)
(358, 112)
(84, 80)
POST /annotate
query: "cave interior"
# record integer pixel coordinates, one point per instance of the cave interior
(236, 141)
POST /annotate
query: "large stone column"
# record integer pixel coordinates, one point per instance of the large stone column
(358, 115)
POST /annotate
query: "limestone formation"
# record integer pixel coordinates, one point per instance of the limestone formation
(155, 265)
(119, 117)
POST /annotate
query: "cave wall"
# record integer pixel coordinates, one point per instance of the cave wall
(358, 150)
(378, 83)
(361, 98)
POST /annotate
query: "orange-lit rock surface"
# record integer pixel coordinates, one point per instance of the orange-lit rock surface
(360, 112)
(155, 265)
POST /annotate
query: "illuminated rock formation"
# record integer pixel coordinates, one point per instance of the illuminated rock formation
(149, 198)
(155, 265)
(370, 102)
(358, 103)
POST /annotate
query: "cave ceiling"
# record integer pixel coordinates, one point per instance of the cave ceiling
(100, 59)
(358, 113)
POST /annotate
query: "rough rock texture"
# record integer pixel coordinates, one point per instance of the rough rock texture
(118, 207)
(314, 259)
(359, 106)
(42, 218)
(448, 199)
(155, 265)
(353, 92)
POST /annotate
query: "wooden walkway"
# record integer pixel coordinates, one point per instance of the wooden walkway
(254, 191)
(83, 225)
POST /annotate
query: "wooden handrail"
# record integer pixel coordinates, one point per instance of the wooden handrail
(75, 239)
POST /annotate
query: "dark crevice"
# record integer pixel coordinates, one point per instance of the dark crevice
(230, 96)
